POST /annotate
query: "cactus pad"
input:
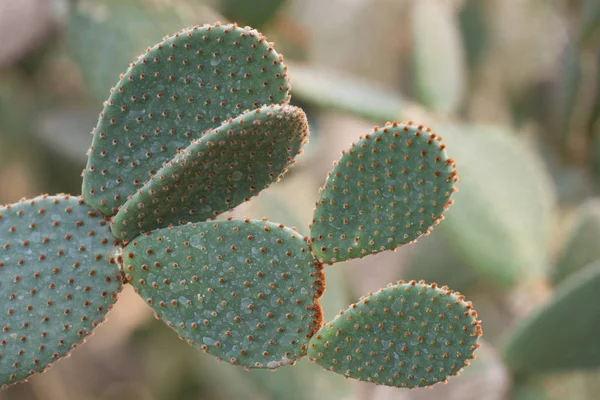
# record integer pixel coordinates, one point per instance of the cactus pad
(224, 168)
(190, 82)
(560, 336)
(407, 335)
(243, 291)
(58, 279)
(388, 189)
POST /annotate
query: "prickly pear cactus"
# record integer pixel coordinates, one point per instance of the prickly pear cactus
(58, 279)
(197, 125)
(243, 291)
(218, 172)
(388, 189)
(190, 82)
(407, 335)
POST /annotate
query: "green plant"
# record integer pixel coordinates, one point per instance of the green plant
(197, 125)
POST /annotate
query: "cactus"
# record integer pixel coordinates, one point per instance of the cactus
(244, 291)
(388, 189)
(251, 151)
(58, 279)
(580, 248)
(407, 335)
(559, 325)
(197, 125)
(175, 92)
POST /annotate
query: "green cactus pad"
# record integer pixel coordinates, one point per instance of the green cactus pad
(58, 279)
(224, 168)
(407, 335)
(243, 291)
(581, 247)
(388, 189)
(561, 335)
(171, 95)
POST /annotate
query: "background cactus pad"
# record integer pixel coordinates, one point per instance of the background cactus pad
(190, 82)
(243, 291)
(223, 169)
(407, 335)
(389, 188)
(58, 279)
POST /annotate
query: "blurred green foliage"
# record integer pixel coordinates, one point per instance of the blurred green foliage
(512, 86)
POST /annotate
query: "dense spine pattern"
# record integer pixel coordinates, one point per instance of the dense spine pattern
(191, 82)
(226, 167)
(243, 291)
(58, 279)
(407, 335)
(389, 188)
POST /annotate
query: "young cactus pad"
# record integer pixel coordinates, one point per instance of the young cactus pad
(388, 189)
(243, 291)
(58, 279)
(224, 168)
(407, 335)
(172, 94)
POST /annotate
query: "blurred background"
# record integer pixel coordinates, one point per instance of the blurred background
(513, 86)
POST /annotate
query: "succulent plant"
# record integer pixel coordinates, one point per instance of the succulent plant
(198, 124)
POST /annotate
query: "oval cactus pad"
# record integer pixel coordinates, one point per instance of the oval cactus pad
(58, 279)
(243, 291)
(408, 335)
(388, 188)
(224, 168)
(183, 86)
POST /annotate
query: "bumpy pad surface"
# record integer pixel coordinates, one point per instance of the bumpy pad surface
(190, 82)
(388, 189)
(407, 335)
(223, 169)
(243, 291)
(58, 278)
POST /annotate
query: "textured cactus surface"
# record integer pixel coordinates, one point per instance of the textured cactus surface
(243, 291)
(190, 82)
(388, 189)
(58, 279)
(223, 169)
(562, 334)
(407, 335)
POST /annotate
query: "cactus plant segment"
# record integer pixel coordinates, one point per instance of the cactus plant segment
(190, 82)
(568, 325)
(407, 335)
(58, 279)
(389, 188)
(243, 291)
(224, 168)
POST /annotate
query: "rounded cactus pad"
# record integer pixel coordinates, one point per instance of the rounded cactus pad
(191, 82)
(408, 335)
(224, 168)
(243, 291)
(58, 279)
(388, 188)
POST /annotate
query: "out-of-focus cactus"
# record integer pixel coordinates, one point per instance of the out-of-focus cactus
(581, 246)
(560, 326)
